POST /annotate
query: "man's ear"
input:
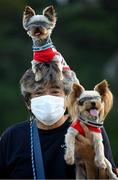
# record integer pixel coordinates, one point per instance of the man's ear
(27, 101)
(28, 106)
(50, 13)
(27, 14)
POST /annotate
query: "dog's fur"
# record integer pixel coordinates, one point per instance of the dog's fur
(39, 28)
(89, 107)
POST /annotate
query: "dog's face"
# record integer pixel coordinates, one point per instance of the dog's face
(91, 105)
(39, 27)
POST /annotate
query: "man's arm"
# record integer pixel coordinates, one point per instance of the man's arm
(2, 157)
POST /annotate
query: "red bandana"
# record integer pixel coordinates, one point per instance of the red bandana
(45, 55)
(76, 125)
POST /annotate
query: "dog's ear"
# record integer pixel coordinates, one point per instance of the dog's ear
(77, 89)
(106, 95)
(102, 87)
(50, 13)
(27, 14)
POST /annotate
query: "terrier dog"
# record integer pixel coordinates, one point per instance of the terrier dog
(39, 28)
(91, 108)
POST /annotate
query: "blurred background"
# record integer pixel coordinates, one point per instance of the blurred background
(86, 34)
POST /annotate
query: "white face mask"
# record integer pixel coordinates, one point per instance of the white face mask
(48, 109)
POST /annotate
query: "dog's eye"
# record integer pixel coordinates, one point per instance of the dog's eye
(80, 103)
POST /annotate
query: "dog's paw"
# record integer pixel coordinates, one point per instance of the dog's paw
(100, 164)
(33, 69)
(38, 77)
(69, 158)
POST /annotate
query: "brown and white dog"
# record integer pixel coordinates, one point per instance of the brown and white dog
(90, 107)
(39, 28)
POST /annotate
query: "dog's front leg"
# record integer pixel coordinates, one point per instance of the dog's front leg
(36, 70)
(99, 151)
(70, 145)
(33, 66)
(105, 168)
(110, 173)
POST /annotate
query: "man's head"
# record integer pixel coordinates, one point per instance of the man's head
(30, 87)
(46, 98)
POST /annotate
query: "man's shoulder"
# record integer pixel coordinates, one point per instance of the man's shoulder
(18, 128)
(23, 124)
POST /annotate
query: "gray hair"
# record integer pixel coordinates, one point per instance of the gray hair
(28, 84)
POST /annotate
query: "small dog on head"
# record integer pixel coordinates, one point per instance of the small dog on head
(39, 28)
(90, 107)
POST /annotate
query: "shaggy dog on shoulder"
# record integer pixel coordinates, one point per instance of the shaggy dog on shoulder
(90, 107)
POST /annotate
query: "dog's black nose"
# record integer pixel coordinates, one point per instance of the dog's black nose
(93, 104)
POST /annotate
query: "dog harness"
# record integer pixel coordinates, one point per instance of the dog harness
(76, 125)
(45, 55)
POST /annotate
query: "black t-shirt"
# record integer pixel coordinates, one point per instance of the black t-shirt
(15, 156)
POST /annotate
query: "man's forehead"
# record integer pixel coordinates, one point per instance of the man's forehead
(50, 86)
(55, 87)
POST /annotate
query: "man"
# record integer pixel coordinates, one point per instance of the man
(46, 102)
